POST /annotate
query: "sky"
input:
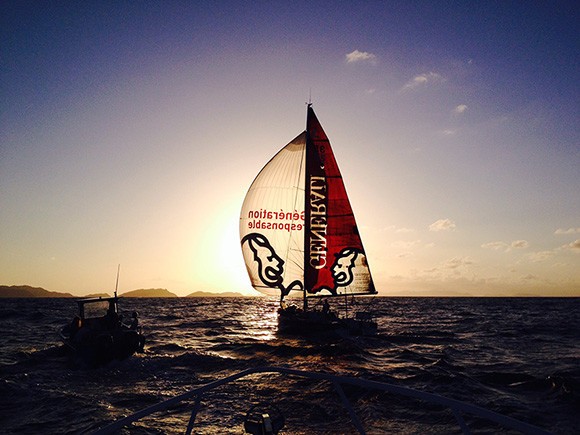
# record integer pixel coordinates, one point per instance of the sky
(131, 131)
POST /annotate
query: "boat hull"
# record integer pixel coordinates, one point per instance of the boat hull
(309, 323)
(101, 347)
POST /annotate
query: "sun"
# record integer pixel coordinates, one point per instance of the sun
(215, 257)
(230, 256)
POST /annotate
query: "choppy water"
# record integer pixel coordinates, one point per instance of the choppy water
(519, 357)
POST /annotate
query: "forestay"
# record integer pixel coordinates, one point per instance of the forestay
(297, 226)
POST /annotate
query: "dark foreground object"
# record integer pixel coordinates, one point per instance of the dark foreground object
(97, 335)
(294, 321)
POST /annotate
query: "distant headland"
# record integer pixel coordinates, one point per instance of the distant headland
(26, 291)
(149, 293)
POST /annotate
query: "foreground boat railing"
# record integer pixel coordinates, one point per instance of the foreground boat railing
(457, 407)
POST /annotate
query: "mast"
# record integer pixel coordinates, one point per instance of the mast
(117, 283)
(306, 207)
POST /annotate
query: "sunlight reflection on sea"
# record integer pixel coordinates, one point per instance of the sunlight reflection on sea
(497, 353)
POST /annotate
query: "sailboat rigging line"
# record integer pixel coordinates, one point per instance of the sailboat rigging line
(457, 407)
(297, 190)
(297, 264)
(307, 212)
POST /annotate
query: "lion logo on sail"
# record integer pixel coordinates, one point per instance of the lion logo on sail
(342, 269)
(270, 266)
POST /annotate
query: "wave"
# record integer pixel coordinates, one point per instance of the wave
(471, 350)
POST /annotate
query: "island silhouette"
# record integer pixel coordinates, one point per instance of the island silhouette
(26, 291)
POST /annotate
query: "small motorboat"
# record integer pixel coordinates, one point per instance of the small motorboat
(97, 333)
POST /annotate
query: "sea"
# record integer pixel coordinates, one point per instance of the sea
(516, 356)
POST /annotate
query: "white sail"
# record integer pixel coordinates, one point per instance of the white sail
(272, 222)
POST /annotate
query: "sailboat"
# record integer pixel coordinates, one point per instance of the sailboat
(298, 234)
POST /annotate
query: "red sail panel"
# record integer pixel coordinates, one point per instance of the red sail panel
(334, 255)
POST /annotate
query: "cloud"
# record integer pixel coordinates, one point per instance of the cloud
(442, 225)
(540, 256)
(404, 230)
(568, 231)
(360, 56)
(448, 132)
(462, 108)
(537, 257)
(495, 245)
(398, 230)
(402, 244)
(574, 246)
(503, 246)
(456, 262)
(423, 80)
(520, 244)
